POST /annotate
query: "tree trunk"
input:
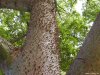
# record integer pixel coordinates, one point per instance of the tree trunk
(88, 60)
(40, 52)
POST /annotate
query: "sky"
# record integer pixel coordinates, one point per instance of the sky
(78, 6)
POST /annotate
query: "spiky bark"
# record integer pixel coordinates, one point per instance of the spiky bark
(39, 55)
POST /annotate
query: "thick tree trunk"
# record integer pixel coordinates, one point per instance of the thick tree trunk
(88, 59)
(40, 53)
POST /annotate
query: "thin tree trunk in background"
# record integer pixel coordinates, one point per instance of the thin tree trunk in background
(88, 60)
(40, 53)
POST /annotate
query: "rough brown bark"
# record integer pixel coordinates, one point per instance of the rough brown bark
(21, 5)
(88, 60)
(40, 52)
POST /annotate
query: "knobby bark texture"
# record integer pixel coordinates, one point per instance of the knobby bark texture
(88, 60)
(40, 54)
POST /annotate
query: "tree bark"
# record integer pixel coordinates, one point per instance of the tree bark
(40, 54)
(88, 60)
(21, 5)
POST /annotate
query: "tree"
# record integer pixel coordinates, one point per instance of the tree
(73, 26)
(40, 53)
(87, 60)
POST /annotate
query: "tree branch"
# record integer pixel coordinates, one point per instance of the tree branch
(21, 5)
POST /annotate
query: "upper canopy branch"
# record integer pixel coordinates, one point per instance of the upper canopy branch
(21, 5)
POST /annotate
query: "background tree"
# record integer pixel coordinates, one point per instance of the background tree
(87, 60)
